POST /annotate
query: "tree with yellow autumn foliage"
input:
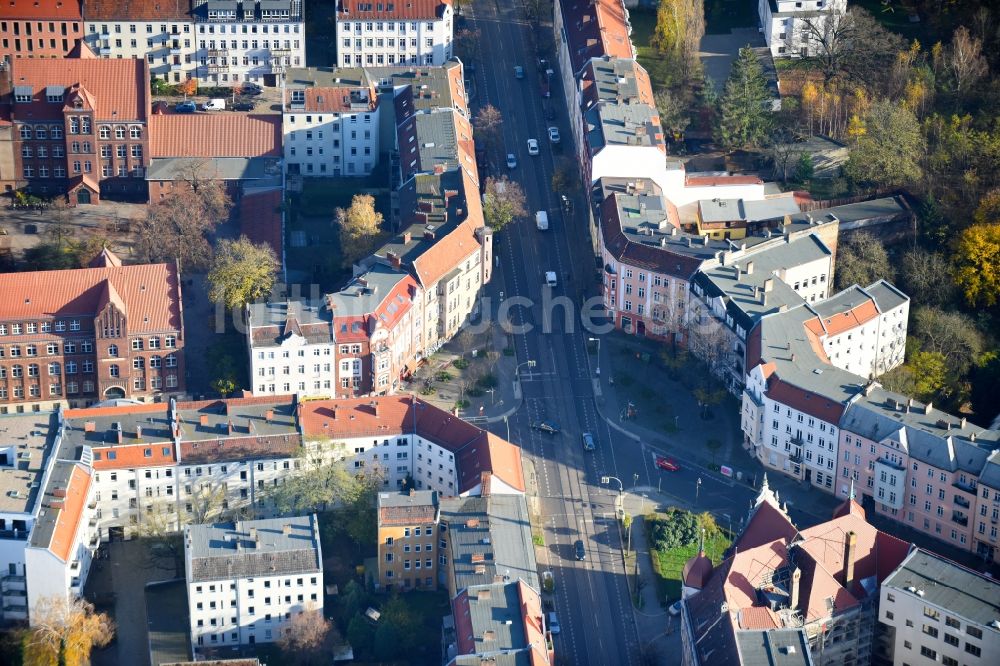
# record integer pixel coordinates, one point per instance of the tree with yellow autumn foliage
(64, 632)
(977, 264)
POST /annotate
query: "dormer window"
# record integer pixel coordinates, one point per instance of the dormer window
(22, 94)
(77, 103)
(54, 94)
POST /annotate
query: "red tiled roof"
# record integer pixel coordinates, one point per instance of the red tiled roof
(260, 219)
(151, 294)
(758, 617)
(876, 553)
(638, 255)
(534, 625)
(450, 251)
(134, 455)
(767, 524)
(240, 448)
(703, 181)
(493, 455)
(49, 10)
(136, 10)
(117, 410)
(349, 10)
(697, 570)
(329, 99)
(68, 520)
(845, 321)
(118, 87)
(595, 28)
(804, 400)
(214, 135)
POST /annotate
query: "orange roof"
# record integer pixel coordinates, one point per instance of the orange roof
(214, 135)
(494, 456)
(350, 10)
(118, 87)
(845, 321)
(534, 628)
(68, 520)
(134, 455)
(136, 10)
(118, 410)
(151, 294)
(329, 99)
(758, 617)
(49, 10)
(448, 252)
(595, 28)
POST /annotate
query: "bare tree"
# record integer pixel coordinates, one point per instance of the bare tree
(852, 43)
(307, 634)
(487, 122)
(965, 60)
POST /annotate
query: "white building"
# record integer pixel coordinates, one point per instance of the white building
(246, 579)
(794, 28)
(292, 348)
(161, 32)
(330, 130)
(400, 33)
(252, 40)
(933, 611)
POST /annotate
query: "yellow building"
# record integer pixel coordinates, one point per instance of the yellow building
(407, 531)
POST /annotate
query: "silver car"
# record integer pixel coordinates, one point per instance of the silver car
(553, 624)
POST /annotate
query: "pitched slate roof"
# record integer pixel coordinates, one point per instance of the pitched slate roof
(413, 507)
(149, 293)
(118, 88)
(216, 135)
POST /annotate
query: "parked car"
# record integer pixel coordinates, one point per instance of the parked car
(553, 624)
(250, 88)
(668, 464)
(532, 146)
(518, 72)
(588, 442)
(244, 105)
(554, 135)
(185, 107)
(217, 104)
(581, 551)
(160, 107)
(549, 427)
(511, 160)
(675, 608)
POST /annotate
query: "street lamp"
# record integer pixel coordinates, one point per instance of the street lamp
(697, 489)
(621, 492)
(598, 341)
(517, 370)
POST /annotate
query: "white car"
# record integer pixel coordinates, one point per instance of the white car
(532, 146)
(554, 134)
(511, 161)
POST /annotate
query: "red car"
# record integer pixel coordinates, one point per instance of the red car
(667, 464)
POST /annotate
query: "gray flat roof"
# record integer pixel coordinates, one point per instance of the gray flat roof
(615, 79)
(216, 168)
(431, 88)
(358, 298)
(622, 124)
(970, 595)
(26, 440)
(776, 647)
(851, 214)
(725, 210)
(502, 520)
(266, 547)
(496, 607)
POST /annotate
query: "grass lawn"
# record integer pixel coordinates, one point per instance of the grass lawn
(723, 15)
(670, 564)
(643, 22)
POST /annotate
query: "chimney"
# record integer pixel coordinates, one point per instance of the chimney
(286, 529)
(413, 492)
(793, 588)
(118, 435)
(739, 273)
(89, 426)
(374, 406)
(850, 546)
(704, 240)
(269, 415)
(138, 432)
(203, 420)
(928, 407)
(407, 237)
(749, 268)
(394, 259)
(334, 412)
(229, 427)
(962, 423)
(768, 285)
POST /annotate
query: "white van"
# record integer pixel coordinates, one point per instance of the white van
(542, 220)
(550, 278)
(218, 104)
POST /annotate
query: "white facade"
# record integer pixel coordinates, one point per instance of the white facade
(332, 143)
(799, 444)
(874, 347)
(251, 42)
(784, 24)
(249, 608)
(379, 43)
(293, 366)
(168, 44)
(810, 280)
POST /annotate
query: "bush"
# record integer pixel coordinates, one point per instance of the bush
(508, 351)
(462, 404)
(442, 376)
(460, 363)
(487, 382)
(679, 528)
(475, 392)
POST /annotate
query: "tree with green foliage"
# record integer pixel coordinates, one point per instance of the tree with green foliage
(680, 25)
(503, 202)
(862, 260)
(361, 636)
(360, 229)
(952, 334)
(673, 113)
(746, 114)
(242, 272)
(888, 152)
(804, 169)
(977, 264)
(930, 373)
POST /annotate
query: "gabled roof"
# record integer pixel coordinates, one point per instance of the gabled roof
(216, 135)
(117, 87)
(151, 294)
(595, 28)
(47, 10)
(62, 507)
(389, 10)
(136, 10)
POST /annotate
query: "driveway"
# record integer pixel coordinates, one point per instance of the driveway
(719, 51)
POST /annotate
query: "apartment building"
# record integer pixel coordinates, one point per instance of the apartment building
(47, 528)
(823, 580)
(81, 336)
(419, 32)
(585, 29)
(161, 32)
(252, 40)
(329, 129)
(500, 617)
(407, 540)
(81, 127)
(933, 611)
(40, 29)
(246, 579)
(799, 28)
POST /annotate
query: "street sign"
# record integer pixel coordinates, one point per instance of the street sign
(726, 471)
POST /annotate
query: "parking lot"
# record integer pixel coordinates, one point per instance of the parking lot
(268, 101)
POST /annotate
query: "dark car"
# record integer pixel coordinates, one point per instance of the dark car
(581, 552)
(186, 107)
(588, 442)
(249, 88)
(244, 105)
(547, 427)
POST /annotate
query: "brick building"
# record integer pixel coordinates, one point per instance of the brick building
(80, 126)
(39, 28)
(81, 336)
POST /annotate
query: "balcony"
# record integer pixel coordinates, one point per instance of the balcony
(218, 53)
(176, 67)
(104, 51)
(218, 69)
(961, 501)
(959, 518)
(893, 465)
(175, 50)
(19, 535)
(796, 458)
(965, 487)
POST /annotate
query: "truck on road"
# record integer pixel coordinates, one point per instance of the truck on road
(542, 220)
